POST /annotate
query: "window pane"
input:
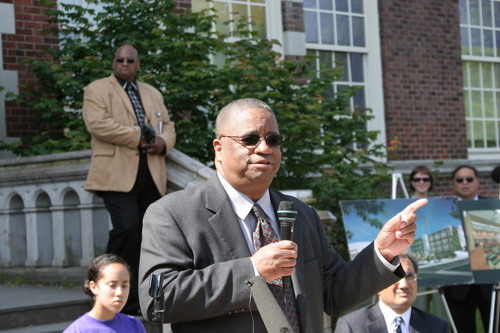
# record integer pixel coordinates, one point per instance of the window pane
(465, 71)
(497, 40)
(343, 30)
(240, 14)
(341, 5)
(474, 12)
(469, 135)
(497, 13)
(325, 4)
(310, 4)
(325, 59)
(341, 61)
(464, 18)
(487, 77)
(199, 5)
(488, 43)
(496, 68)
(357, 67)
(486, 11)
(359, 98)
(467, 102)
(327, 29)
(475, 81)
(477, 111)
(490, 137)
(476, 41)
(478, 134)
(311, 25)
(497, 94)
(464, 40)
(222, 16)
(258, 1)
(259, 20)
(489, 110)
(357, 6)
(358, 31)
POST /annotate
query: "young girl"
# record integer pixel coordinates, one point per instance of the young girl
(108, 285)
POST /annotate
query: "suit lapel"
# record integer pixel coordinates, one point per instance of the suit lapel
(417, 322)
(376, 322)
(225, 221)
(118, 89)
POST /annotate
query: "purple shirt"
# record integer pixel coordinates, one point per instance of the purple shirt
(120, 323)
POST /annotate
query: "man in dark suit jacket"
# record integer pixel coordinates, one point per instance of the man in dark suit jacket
(201, 238)
(394, 301)
(464, 299)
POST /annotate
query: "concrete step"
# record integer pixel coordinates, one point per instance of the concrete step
(30, 306)
(45, 309)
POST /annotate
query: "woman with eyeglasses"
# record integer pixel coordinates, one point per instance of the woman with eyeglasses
(421, 182)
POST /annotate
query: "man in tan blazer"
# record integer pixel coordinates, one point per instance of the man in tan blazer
(131, 133)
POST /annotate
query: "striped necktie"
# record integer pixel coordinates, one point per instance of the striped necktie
(282, 289)
(397, 327)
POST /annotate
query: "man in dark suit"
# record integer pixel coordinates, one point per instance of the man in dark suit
(127, 168)
(394, 302)
(201, 238)
(464, 299)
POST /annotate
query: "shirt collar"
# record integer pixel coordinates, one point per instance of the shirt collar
(389, 316)
(242, 204)
(125, 84)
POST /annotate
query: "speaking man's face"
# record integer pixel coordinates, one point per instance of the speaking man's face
(250, 168)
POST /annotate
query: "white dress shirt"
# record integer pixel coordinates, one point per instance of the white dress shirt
(390, 316)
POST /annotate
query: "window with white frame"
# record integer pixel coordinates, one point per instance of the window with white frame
(346, 33)
(252, 12)
(480, 40)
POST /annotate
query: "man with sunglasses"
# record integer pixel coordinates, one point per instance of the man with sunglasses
(394, 311)
(131, 133)
(464, 299)
(206, 240)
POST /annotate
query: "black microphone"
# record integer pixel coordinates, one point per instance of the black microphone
(287, 213)
(495, 174)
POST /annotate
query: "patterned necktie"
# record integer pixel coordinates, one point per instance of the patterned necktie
(397, 327)
(282, 289)
(136, 103)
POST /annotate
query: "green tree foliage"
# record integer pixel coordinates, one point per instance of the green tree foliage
(327, 146)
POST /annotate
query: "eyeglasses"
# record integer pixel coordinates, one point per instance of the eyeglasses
(411, 277)
(417, 179)
(253, 140)
(460, 180)
(122, 60)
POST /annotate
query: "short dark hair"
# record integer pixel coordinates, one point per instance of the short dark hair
(464, 167)
(421, 169)
(97, 265)
(412, 258)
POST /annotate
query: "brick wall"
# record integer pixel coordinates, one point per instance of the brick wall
(27, 43)
(423, 78)
(293, 16)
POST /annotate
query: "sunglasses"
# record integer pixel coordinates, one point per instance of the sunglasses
(122, 60)
(252, 140)
(460, 180)
(417, 180)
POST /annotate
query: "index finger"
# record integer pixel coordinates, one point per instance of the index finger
(414, 206)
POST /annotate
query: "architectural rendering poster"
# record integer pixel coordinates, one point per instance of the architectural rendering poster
(482, 228)
(439, 245)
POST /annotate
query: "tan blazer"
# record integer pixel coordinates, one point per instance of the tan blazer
(110, 119)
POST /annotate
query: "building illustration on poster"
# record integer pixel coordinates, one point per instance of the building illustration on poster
(440, 243)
